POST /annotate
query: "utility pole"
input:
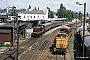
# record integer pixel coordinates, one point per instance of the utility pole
(81, 19)
(13, 13)
(17, 38)
(76, 20)
(84, 27)
(13, 9)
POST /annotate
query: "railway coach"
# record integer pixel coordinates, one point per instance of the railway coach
(40, 29)
(65, 29)
(86, 41)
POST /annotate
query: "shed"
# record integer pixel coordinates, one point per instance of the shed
(5, 35)
(7, 32)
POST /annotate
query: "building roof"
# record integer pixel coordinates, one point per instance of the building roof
(34, 12)
(3, 16)
(12, 25)
(5, 31)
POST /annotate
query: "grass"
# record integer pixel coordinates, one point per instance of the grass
(89, 29)
(21, 41)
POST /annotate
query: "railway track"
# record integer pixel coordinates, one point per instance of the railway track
(37, 50)
(43, 51)
(34, 49)
(12, 54)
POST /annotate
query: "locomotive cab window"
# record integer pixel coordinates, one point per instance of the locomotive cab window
(63, 36)
(58, 35)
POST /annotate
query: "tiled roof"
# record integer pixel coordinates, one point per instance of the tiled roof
(34, 12)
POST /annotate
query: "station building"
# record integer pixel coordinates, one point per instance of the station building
(34, 16)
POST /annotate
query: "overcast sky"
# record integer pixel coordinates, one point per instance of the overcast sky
(52, 4)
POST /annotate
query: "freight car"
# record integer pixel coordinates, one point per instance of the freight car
(86, 41)
(40, 29)
(65, 29)
(61, 43)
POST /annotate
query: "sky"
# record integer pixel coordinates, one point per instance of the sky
(43, 4)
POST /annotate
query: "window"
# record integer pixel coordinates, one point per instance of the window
(38, 16)
(43, 16)
(34, 16)
(31, 16)
(63, 36)
(24, 16)
(27, 16)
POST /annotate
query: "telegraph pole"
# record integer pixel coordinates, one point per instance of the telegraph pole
(13, 13)
(17, 38)
(84, 27)
(76, 20)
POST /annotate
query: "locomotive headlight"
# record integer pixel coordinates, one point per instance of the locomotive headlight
(58, 45)
(78, 33)
(65, 46)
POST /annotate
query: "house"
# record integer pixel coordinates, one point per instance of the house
(33, 15)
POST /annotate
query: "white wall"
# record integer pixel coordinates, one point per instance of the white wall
(37, 16)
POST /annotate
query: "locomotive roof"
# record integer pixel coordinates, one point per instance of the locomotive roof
(37, 27)
(61, 33)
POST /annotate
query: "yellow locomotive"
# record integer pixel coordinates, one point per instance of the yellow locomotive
(61, 43)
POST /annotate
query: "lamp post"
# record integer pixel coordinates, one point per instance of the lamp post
(76, 20)
(83, 24)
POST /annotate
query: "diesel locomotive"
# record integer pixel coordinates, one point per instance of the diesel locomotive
(40, 29)
(61, 40)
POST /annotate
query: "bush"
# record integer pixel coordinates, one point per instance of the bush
(1, 44)
(7, 45)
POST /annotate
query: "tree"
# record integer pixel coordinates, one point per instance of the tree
(35, 8)
(38, 8)
(79, 15)
(62, 12)
(87, 13)
(29, 6)
(50, 13)
(61, 7)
